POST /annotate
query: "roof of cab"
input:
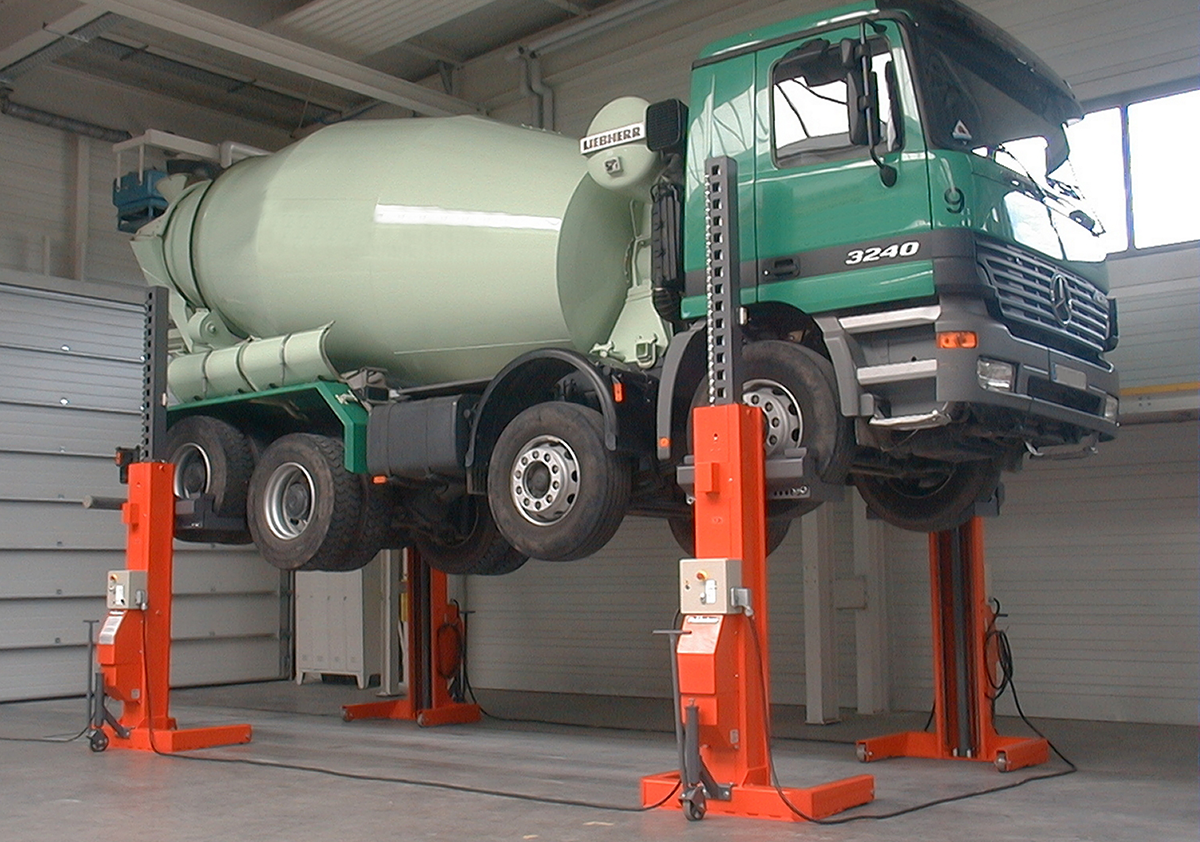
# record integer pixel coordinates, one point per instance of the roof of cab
(748, 40)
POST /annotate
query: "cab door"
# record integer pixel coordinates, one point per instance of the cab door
(821, 204)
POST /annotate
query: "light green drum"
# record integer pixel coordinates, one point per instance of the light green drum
(440, 249)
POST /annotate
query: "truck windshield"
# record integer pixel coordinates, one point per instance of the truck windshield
(985, 93)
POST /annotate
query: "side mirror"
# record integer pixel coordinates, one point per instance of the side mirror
(666, 126)
(862, 95)
(858, 113)
(862, 102)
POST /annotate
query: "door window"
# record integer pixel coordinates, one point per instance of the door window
(809, 96)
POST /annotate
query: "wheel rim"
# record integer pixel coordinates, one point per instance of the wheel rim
(783, 422)
(544, 480)
(193, 471)
(288, 500)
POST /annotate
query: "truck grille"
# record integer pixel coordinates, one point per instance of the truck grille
(1042, 302)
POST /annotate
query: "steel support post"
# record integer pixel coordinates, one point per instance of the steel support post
(134, 650)
(723, 660)
(434, 642)
(964, 663)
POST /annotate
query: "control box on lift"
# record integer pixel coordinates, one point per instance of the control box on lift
(710, 585)
(126, 590)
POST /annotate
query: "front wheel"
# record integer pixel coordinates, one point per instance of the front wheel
(796, 389)
(932, 501)
(556, 491)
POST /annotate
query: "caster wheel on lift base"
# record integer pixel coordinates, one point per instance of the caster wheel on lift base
(693, 804)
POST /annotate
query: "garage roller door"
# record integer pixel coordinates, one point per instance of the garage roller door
(70, 392)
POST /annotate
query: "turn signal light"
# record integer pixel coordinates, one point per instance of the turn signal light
(957, 339)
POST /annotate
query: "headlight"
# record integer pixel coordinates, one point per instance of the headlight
(996, 376)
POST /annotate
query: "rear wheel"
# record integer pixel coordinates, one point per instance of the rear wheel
(307, 512)
(932, 501)
(469, 542)
(556, 491)
(213, 458)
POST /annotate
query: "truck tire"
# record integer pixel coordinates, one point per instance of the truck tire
(307, 512)
(556, 491)
(215, 458)
(373, 534)
(930, 504)
(796, 389)
(471, 545)
(684, 531)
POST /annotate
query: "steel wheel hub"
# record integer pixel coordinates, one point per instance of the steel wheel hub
(783, 423)
(545, 480)
(288, 500)
(192, 471)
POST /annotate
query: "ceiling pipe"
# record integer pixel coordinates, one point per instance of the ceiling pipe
(535, 89)
(545, 92)
(607, 18)
(57, 121)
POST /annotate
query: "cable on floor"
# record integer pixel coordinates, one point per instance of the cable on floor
(52, 738)
(362, 776)
(1071, 767)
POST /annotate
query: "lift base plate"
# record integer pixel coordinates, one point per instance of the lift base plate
(172, 740)
(763, 802)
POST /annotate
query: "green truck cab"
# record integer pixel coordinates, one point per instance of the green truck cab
(500, 364)
(938, 261)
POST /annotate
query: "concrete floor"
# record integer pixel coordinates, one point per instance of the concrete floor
(1137, 783)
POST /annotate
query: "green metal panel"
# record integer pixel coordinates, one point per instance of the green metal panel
(821, 293)
(788, 210)
(307, 399)
(862, 287)
(722, 123)
(815, 205)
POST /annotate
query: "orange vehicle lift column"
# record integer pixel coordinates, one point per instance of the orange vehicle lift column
(721, 659)
(134, 649)
(432, 653)
(964, 666)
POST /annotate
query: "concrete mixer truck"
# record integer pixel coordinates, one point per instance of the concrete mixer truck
(485, 340)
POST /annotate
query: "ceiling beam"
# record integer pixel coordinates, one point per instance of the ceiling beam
(237, 38)
(48, 34)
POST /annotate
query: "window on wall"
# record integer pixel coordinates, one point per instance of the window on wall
(1133, 164)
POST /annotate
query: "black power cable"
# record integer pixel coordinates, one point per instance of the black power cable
(906, 810)
(1006, 680)
(53, 738)
(361, 776)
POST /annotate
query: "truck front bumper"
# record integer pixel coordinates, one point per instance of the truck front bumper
(893, 371)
